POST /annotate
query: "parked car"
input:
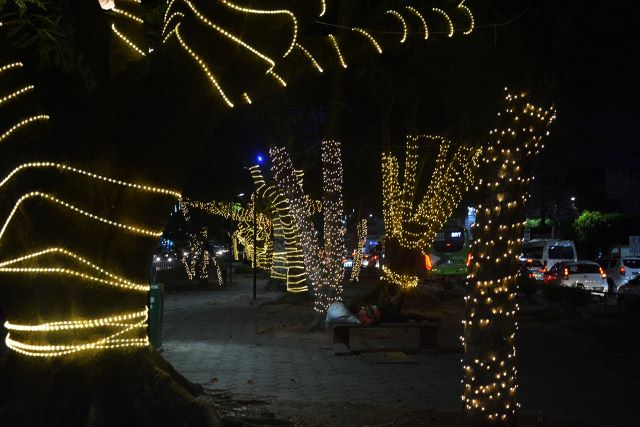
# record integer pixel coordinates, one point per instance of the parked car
(549, 251)
(620, 270)
(629, 295)
(532, 268)
(582, 274)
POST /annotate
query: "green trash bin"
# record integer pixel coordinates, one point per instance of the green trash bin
(156, 308)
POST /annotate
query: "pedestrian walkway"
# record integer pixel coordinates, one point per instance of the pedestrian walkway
(212, 336)
(215, 338)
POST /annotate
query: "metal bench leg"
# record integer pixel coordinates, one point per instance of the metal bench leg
(341, 335)
(428, 337)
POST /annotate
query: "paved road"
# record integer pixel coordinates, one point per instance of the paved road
(216, 338)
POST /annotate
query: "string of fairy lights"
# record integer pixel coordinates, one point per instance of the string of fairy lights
(361, 235)
(323, 263)
(127, 25)
(243, 233)
(288, 264)
(490, 373)
(414, 227)
(58, 337)
(318, 55)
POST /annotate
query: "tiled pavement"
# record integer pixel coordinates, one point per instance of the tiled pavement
(211, 337)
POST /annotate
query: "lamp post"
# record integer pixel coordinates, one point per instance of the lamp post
(556, 220)
(255, 245)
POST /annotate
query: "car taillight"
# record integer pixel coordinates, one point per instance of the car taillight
(602, 273)
(621, 271)
(469, 258)
(427, 262)
(565, 273)
(543, 269)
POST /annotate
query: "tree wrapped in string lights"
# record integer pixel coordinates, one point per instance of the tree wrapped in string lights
(490, 386)
(410, 227)
(361, 234)
(109, 199)
(323, 262)
(243, 234)
(288, 263)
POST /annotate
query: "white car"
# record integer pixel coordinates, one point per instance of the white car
(549, 251)
(581, 274)
(620, 270)
(629, 295)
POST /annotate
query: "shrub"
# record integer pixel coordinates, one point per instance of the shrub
(576, 297)
(527, 285)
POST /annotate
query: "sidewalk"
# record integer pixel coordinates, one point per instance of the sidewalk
(214, 336)
(225, 341)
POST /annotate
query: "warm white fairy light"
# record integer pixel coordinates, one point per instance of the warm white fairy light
(323, 264)
(50, 198)
(11, 65)
(65, 168)
(269, 12)
(324, 7)
(244, 228)
(472, 21)
(123, 324)
(411, 227)
(446, 17)
(202, 65)
(62, 337)
(16, 93)
(277, 77)
(361, 235)
(128, 15)
(288, 265)
(452, 176)
(315, 63)
(489, 393)
(402, 280)
(196, 259)
(334, 43)
(415, 11)
(373, 41)
(21, 123)
(126, 40)
(117, 281)
(246, 97)
(202, 18)
(170, 19)
(402, 21)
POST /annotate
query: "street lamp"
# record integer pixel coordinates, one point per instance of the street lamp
(556, 220)
(255, 244)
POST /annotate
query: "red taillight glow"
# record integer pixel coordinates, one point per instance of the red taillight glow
(469, 258)
(543, 269)
(621, 271)
(427, 262)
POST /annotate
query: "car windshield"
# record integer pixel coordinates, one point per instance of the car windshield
(631, 262)
(531, 251)
(583, 268)
(561, 252)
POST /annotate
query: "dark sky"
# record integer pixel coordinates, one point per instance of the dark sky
(571, 53)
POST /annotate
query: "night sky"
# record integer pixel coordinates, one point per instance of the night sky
(571, 54)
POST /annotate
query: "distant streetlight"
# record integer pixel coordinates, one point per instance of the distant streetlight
(556, 219)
